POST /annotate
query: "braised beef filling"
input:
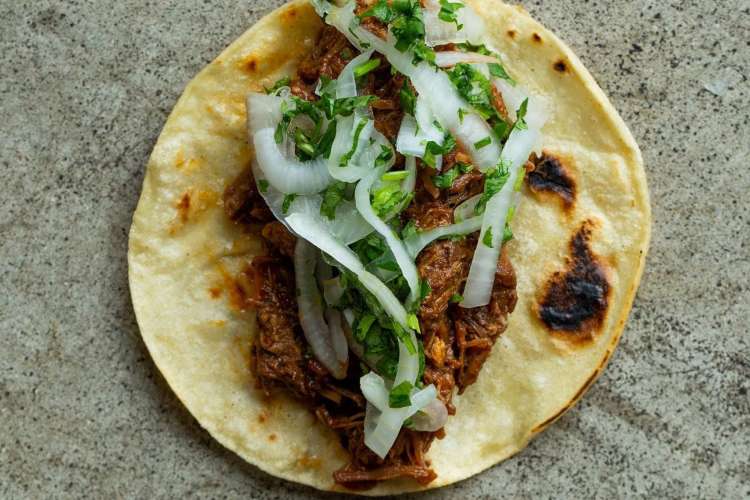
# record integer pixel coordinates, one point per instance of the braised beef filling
(456, 341)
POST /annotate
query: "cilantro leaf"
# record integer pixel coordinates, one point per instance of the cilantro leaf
(446, 180)
(487, 239)
(449, 12)
(521, 116)
(497, 70)
(287, 203)
(366, 67)
(413, 322)
(408, 98)
(483, 143)
(332, 197)
(494, 181)
(283, 82)
(399, 396)
(346, 158)
(262, 185)
(457, 298)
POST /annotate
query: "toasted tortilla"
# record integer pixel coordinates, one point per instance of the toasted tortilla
(184, 252)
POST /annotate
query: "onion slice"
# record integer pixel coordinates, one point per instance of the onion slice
(435, 86)
(450, 58)
(478, 289)
(346, 84)
(416, 244)
(313, 324)
(404, 261)
(286, 174)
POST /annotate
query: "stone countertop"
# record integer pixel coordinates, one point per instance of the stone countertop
(85, 89)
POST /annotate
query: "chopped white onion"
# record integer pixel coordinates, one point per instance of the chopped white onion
(431, 418)
(434, 85)
(439, 32)
(404, 261)
(449, 59)
(338, 337)
(466, 209)
(342, 144)
(346, 84)
(417, 243)
(263, 111)
(286, 174)
(311, 318)
(316, 232)
(478, 290)
(388, 421)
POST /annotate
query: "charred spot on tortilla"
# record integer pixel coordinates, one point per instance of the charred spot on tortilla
(552, 176)
(560, 66)
(183, 207)
(251, 65)
(536, 37)
(512, 33)
(214, 292)
(575, 301)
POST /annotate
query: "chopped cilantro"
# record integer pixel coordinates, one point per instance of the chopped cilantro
(444, 181)
(346, 158)
(409, 230)
(304, 148)
(332, 197)
(408, 98)
(398, 175)
(388, 197)
(283, 82)
(424, 290)
(457, 298)
(474, 87)
(433, 149)
(494, 181)
(399, 396)
(386, 154)
(483, 143)
(487, 239)
(521, 115)
(507, 234)
(366, 67)
(363, 326)
(461, 113)
(263, 185)
(326, 141)
(278, 135)
(405, 20)
(497, 70)
(287, 203)
(449, 12)
(413, 322)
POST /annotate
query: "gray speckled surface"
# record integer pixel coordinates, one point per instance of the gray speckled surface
(84, 90)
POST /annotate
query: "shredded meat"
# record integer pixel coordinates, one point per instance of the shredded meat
(280, 239)
(278, 353)
(243, 203)
(456, 341)
(477, 329)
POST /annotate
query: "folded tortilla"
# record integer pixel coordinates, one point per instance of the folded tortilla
(582, 234)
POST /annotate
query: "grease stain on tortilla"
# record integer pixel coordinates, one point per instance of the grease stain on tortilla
(239, 289)
(560, 66)
(190, 206)
(307, 461)
(263, 416)
(183, 207)
(553, 176)
(575, 300)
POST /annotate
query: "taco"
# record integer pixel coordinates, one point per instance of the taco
(383, 244)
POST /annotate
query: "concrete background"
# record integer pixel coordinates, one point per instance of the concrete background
(85, 88)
